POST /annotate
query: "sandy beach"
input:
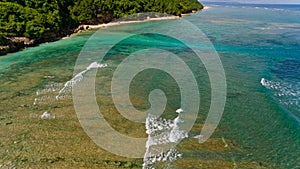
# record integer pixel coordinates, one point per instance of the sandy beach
(116, 23)
(135, 19)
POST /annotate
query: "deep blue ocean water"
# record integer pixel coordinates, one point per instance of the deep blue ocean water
(259, 46)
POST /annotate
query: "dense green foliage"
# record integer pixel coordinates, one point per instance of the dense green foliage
(105, 10)
(33, 18)
(36, 19)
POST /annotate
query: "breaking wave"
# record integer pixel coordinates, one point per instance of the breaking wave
(163, 135)
(288, 94)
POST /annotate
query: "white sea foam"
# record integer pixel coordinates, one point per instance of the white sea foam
(288, 93)
(47, 115)
(51, 87)
(264, 82)
(78, 77)
(46, 95)
(52, 92)
(179, 111)
(163, 135)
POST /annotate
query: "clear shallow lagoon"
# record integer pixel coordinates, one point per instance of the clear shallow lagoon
(261, 118)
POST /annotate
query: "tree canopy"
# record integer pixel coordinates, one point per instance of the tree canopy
(35, 19)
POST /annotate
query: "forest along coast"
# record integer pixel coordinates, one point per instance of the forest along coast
(31, 22)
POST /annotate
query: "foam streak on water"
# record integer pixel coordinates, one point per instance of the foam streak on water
(287, 93)
(62, 90)
(163, 136)
(78, 77)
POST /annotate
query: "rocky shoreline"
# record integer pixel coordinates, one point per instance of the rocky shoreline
(14, 44)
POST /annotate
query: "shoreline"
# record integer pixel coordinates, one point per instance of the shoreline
(18, 45)
(82, 28)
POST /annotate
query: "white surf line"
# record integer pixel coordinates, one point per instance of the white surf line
(161, 133)
(287, 94)
(78, 77)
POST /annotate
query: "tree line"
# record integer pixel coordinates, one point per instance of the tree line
(36, 19)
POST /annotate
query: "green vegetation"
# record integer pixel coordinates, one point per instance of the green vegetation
(33, 18)
(45, 19)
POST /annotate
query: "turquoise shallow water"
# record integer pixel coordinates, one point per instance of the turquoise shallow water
(257, 43)
(260, 117)
(269, 36)
(254, 43)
